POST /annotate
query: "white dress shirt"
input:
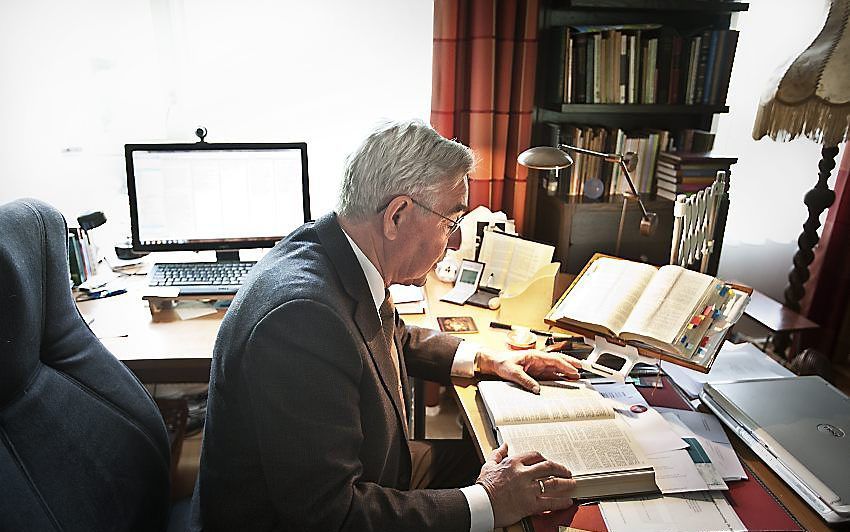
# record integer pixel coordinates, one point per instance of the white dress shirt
(463, 365)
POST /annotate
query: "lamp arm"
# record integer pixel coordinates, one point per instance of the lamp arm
(610, 157)
(632, 187)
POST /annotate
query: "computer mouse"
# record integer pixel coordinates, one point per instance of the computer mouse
(494, 303)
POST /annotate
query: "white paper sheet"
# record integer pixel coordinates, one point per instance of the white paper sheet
(703, 512)
(733, 363)
(406, 293)
(707, 430)
(651, 431)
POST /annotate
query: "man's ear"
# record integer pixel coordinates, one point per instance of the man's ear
(397, 213)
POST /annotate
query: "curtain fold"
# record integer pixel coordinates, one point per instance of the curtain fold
(828, 288)
(485, 53)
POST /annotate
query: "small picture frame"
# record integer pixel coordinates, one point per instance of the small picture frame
(457, 324)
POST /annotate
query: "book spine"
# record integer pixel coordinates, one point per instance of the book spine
(709, 66)
(673, 96)
(624, 68)
(580, 69)
(665, 68)
(692, 69)
(598, 69)
(568, 66)
(591, 69)
(702, 66)
(726, 69)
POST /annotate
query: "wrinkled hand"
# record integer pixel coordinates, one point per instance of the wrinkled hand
(513, 484)
(521, 366)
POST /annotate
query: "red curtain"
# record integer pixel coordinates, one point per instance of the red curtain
(485, 52)
(828, 288)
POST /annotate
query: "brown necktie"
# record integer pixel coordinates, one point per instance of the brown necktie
(387, 313)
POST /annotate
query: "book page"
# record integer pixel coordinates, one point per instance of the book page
(507, 403)
(606, 293)
(589, 446)
(509, 260)
(667, 303)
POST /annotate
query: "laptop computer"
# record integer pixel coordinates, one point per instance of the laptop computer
(800, 427)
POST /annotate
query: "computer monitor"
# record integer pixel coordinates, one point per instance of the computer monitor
(215, 196)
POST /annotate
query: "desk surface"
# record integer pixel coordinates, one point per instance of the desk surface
(166, 350)
(469, 402)
(174, 350)
(776, 316)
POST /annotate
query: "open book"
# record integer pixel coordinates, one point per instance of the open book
(669, 312)
(511, 260)
(575, 426)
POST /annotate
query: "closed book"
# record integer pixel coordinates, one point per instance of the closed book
(693, 61)
(717, 66)
(709, 65)
(682, 188)
(696, 157)
(555, 72)
(666, 194)
(725, 71)
(566, 423)
(702, 66)
(664, 167)
(674, 90)
(568, 61)
(700, 180)
(579, 84)
(665, 68)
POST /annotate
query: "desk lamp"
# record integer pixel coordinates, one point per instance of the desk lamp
(551, 158)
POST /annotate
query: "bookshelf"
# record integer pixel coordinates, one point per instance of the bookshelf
(627, 103)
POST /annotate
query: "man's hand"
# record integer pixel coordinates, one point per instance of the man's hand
(524, 485)
(521, 366)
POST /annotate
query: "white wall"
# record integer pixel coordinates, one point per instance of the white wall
(770, 179)
(78, 80)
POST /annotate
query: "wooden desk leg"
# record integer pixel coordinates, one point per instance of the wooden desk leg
(418, 409)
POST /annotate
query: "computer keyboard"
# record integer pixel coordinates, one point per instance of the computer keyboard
(200, 277)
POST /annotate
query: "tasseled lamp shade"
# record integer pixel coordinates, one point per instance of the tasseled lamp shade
(813, 97)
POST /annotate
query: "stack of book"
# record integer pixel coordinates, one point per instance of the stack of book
(642, 64)
(80, 256)
(688, 172)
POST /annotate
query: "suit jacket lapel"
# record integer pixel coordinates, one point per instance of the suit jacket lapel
(365, 315)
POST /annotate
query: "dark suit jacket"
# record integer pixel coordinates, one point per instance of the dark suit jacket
(304, 430)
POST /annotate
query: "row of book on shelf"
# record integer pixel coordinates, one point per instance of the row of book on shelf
(81, 257)
(642, 64)
(667, 164)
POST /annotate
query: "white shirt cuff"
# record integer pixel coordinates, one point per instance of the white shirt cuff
(463, 364)
(480, 509)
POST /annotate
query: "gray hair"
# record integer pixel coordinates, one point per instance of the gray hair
(401, 158)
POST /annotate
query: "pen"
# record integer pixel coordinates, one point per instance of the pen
(505, 326)
(100, 294)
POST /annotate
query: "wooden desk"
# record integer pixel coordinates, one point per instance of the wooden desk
(166, 350)
(465, 393)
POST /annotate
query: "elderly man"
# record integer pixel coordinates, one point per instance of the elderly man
(307, 416)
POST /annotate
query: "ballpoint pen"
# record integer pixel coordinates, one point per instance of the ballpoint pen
(100, 294)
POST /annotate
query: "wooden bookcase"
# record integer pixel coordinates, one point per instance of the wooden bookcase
(577, 226)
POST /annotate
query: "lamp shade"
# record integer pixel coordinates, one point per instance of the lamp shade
(812, 98)
(544, 158)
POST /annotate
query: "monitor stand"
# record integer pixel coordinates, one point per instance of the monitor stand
(231, 255)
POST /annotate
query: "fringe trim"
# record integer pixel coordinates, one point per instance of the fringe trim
(827, 124)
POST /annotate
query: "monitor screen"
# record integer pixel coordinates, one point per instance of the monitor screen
(212, 196)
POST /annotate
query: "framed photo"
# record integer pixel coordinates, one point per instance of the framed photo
(457, 324)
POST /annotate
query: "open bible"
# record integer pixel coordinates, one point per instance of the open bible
(573, 425)
(669, 312)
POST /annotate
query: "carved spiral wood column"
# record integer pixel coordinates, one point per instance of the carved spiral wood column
(817, 200)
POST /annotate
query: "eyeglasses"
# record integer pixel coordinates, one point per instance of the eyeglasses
(453, 225)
